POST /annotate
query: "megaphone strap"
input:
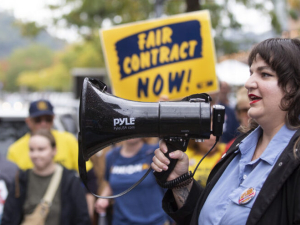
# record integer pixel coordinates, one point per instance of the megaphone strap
(118, 195)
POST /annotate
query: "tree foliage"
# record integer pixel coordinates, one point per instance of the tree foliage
(31, 58)
(29, 29)
(86, 54)
(90, 15)
(53, 78)
(57, 76)
(38, 72)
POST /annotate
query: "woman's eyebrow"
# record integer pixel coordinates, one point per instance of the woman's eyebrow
(260, 68)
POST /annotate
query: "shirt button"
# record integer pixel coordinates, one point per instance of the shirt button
(244, 177)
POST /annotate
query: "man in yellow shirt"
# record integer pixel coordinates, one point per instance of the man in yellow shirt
(41, 116)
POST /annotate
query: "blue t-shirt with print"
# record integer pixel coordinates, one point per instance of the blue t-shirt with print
(142, 205)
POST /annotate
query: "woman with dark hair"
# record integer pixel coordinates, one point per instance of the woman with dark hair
(33, 195)
(258, 180)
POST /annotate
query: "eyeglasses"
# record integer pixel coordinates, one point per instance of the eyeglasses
(39, 119)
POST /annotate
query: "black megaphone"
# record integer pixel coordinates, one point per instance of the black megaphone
(106, 119)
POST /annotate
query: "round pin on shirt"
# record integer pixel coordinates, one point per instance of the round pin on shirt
(247, 196)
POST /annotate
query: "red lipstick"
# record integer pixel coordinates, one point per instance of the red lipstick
(254, 98)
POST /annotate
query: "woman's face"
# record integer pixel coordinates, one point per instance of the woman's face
(41, 152)
(133, 141)
(264, 94)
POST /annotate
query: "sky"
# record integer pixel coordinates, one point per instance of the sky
(30, 9)
(36, 10)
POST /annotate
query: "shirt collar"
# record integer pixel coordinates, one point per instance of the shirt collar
(277, 144)
(250, 141)
(274, 148)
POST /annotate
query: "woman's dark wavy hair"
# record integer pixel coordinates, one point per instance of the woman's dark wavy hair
(283, 56)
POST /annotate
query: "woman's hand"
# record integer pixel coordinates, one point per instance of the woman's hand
(160, 161)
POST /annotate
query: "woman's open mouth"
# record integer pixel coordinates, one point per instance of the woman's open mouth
(254, 98)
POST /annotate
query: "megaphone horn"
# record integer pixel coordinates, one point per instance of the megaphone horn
(106, 119)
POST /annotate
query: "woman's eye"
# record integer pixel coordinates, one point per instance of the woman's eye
(266, 75)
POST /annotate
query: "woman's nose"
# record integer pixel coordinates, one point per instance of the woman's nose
(251, 83)
(33, 153)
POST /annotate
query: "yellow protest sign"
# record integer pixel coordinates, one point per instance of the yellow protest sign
(172, 56)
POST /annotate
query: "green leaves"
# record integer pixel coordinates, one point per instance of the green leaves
(31, 58)
(29, 29)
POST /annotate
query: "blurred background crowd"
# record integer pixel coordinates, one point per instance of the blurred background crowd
(46, 52)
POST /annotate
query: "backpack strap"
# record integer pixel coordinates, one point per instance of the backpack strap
(53, 185)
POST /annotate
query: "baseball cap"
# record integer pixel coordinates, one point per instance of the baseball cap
(40, 108)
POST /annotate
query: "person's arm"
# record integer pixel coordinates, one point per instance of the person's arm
(101, 203)
(12, 211)
(90, 199)
(182, 194)
(81, 215)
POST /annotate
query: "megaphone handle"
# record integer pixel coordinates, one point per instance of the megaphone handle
(161, 177)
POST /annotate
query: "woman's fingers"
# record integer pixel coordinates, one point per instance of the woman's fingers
(180, 155)
(155, 167)
(163, 146)
(159, 164)
(160, 161)
(161, 156)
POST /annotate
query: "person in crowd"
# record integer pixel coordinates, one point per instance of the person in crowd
(242, 106)
(7, 173)
(230, 124)
(41, 115)
(68, 207)
(125, 165)
(257, 180)
(196, 151)
(241, 109)
(225, 90)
